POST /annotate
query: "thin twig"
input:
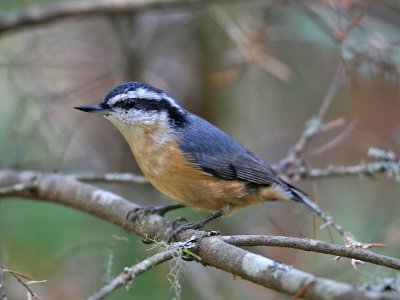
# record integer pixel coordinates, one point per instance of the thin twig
(386, 162)
(336, 82)
(363, 168)
(18, 276)
(294, 158)
(3, 292)
(250, 44)
(314, 125)
(367, 169)
(129, 274)
(343, 135)
(314, 246)
(338, 35)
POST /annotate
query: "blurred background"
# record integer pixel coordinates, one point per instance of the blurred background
(257, 69)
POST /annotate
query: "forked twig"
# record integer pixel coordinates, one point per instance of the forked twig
(24, 280)
(313, 126)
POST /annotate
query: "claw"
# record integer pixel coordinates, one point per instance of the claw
(175, 223)
(133, 214)
(147, 210)
(179, 228)
(147, 241)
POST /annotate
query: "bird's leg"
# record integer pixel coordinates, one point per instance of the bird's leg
(147, 210)
(178, 228)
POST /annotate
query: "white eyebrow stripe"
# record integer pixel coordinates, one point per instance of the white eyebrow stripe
(172, 102)
(142, 93)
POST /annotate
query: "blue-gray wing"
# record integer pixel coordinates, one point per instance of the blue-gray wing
(216, 153)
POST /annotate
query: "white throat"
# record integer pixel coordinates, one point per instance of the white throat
(143, 132)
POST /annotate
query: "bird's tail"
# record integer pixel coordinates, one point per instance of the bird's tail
(301, 197)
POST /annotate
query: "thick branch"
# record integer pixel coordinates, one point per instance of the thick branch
(213, 251)
(55, 11)
(17, 188)
(111, 178)
(275, 275)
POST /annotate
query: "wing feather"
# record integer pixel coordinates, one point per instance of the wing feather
(216, 153)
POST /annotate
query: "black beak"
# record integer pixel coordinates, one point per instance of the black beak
(96, 108)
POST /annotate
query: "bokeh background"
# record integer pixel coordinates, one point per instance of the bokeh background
(257, 69)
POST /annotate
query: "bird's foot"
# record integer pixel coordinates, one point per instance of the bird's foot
(147, 210)
(179, 228)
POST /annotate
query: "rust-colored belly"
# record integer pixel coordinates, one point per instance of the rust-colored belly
(172, 173)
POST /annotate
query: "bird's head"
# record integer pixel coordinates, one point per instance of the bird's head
(140, 105)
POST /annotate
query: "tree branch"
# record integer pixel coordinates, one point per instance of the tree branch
(21, 278)
(388, 164)
(111, 178)
(363, 168)
(130, 273)
(3, 292)
(295, 164)
(314, 246)
(17, 188)
(212, 250)
(44, 14)
(313, 126)
(367, 169)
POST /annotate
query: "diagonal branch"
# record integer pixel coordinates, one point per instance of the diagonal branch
(295, 160)
(213, 251)
(314, 125)
(21, 278)
(129, 274)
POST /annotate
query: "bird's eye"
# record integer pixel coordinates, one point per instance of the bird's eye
(126, 104)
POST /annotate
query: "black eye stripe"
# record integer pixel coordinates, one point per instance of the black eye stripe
(125, 104)
(176, 115)
(142, 104)
(147, 105)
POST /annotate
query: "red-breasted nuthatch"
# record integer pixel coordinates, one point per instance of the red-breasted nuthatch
(187, 158)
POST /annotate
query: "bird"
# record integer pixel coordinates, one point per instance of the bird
(187, 158)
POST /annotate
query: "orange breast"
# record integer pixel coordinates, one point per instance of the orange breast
(172, 173)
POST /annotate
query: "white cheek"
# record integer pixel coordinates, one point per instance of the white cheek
(132, 117)
(139, 122)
